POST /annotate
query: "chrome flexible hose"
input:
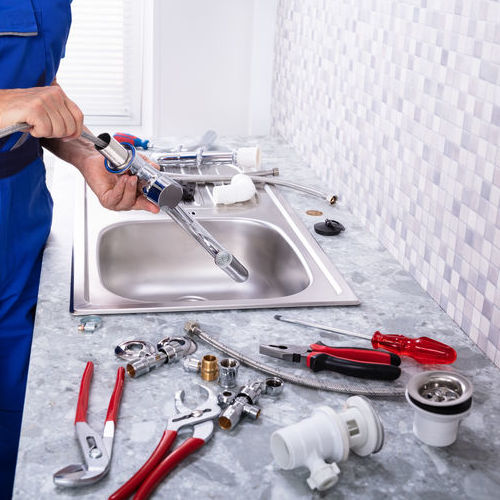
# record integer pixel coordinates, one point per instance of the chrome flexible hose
(193, 328)
(262, 179)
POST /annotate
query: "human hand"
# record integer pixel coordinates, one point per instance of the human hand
(115, 192)
(48, 111)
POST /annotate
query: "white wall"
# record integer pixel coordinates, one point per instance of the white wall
(213, 66)
(397, 105)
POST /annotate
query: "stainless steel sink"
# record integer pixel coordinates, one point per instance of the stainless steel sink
(137, 262)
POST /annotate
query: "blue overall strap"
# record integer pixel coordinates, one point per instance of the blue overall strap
(14, 161)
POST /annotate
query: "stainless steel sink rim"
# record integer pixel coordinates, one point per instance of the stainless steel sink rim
(327, 287)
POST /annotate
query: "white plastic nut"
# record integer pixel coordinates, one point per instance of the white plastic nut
(325, 437)
(248, 157)
(324, 477)
(241, 189)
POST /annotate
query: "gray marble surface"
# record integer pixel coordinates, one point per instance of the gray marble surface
(239, 464)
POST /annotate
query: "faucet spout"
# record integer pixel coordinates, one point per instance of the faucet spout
(165, 192)
(223, 259)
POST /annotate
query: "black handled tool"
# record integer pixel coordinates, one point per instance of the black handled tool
(353, 361)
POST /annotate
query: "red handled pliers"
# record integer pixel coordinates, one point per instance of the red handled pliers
(96, 449)
(158, 465)
(355, 361)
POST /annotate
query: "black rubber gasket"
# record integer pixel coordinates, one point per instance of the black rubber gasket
(444, 410)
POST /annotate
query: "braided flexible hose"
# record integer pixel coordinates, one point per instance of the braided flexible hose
(193, 328)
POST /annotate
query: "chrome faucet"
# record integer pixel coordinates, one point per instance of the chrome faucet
(166, 193)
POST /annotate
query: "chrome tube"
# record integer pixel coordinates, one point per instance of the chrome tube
(222, 258)
(195, 158)
(207, 179)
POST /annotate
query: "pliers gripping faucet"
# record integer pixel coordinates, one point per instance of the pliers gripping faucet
(96, 450)
(147, 478)
(354, 361)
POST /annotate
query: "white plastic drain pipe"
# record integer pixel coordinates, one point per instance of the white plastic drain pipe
(326, 437)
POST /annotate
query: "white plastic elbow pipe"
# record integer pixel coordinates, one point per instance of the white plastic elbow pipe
(325, 437)
(241, 189)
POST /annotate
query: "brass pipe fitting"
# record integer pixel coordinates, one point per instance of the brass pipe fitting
(209, 368)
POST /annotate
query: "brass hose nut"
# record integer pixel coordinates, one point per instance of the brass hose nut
(209, 368)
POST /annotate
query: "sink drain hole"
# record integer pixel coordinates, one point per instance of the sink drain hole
(191, 298)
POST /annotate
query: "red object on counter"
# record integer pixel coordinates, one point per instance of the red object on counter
(422, 349)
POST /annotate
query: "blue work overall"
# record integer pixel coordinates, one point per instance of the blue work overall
(33, 34)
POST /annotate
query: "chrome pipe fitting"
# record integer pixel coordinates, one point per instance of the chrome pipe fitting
(145, 364)
(243, 404)
(273, 386)
(225, 398)
(142, 356)
(133, 349)
(176, 348)
(228, 371)
(192, 365)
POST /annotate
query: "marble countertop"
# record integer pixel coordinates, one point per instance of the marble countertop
(239, 464)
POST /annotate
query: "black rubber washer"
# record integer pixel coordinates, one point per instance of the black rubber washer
(444, 410)
(329, 227)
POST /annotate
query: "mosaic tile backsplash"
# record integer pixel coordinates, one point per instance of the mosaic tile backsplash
(396, 104)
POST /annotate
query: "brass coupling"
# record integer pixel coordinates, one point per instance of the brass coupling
(209, 369)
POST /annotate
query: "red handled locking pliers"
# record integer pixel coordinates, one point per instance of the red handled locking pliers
(149, 476)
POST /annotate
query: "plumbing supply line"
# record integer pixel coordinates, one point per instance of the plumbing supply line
(24, 127)
(12, 129)
(261, 179)
(193, 328)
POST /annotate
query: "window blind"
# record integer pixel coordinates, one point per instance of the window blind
(102, 69)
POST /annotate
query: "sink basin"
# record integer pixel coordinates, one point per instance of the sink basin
(185, 272)
(138, 262)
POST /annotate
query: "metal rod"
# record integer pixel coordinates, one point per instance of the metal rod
(322, 327)
(208, 179)
(20, 127)
(11, 129)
